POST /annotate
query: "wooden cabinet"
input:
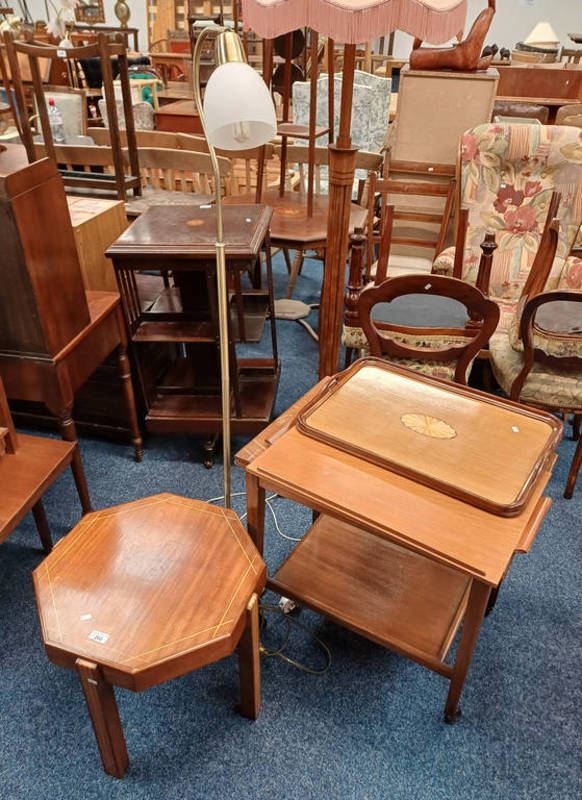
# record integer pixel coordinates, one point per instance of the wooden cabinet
(53, 333)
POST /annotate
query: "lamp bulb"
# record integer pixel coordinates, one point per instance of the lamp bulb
(241, 132)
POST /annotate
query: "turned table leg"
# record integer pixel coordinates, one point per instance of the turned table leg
(105, 718)
(69, 433)
(476, 607)
(249, 663)
(42, 526)
(125, 374)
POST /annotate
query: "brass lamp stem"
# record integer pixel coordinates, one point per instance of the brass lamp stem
(222, 289)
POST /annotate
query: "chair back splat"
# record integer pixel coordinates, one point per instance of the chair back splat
(442, 351)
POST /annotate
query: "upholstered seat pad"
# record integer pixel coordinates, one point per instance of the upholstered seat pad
(544, 386)
(438, 369)
(570, 279)
(561, 346)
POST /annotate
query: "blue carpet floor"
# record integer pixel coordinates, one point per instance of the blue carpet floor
(370, 729)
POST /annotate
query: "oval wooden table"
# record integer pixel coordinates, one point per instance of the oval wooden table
(144, 592)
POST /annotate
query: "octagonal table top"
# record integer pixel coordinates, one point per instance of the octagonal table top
(149, 589)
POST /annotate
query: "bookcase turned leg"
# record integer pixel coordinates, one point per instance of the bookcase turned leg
(125, 374)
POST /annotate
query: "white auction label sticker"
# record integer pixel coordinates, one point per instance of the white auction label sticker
(99, 637)
(62, 53)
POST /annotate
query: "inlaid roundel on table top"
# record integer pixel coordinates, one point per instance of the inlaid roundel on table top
(149, 589)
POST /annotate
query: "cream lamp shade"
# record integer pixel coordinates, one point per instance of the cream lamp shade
(543, 35)
(238, 108)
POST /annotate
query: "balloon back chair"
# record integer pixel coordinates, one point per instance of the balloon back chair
(442, 352)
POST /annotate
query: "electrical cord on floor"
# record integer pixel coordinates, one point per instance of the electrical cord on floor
(280, 651)
(269, 506)
(268, 607)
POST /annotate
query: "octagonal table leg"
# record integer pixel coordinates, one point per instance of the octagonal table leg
(249, 663)
(105, 718)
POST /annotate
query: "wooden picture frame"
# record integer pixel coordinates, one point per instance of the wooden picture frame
(90, 12)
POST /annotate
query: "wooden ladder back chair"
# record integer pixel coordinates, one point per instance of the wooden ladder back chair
(299, 154)
(104, 49)
(443, 352)
(382, 190)
(143, 138)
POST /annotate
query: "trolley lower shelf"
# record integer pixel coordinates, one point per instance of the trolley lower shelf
(393, 596)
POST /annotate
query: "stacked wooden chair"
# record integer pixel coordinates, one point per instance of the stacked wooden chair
(28, 466)
(424, 229)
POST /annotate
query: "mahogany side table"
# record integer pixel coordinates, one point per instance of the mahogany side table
(144, 592)
(393, 558)
(180, 327)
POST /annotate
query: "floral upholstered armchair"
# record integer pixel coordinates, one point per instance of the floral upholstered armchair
(507, 175)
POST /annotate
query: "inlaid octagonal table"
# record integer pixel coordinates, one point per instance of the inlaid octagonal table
(143, 592)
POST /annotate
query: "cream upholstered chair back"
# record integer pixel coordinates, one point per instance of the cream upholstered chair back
(507, 175)
(143, 115)
(71, 103)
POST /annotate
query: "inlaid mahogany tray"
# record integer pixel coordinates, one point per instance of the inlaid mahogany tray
(482, 449)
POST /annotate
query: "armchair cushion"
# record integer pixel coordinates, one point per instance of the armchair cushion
(571, 276)
(444, 262)
(355, 338)
(570, 279)
(543, 386)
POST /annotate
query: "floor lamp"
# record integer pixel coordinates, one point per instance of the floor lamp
(237, 114)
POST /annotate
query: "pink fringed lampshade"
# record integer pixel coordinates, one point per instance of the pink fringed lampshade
(355, 21)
